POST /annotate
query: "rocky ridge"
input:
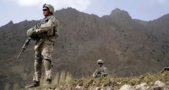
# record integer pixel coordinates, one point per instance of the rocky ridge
(148, 81)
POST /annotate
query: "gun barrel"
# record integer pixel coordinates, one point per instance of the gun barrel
(19, 54)
(24, 46)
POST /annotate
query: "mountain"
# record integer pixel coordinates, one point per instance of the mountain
(129, 47)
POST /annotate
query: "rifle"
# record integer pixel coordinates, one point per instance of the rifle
(24, 46)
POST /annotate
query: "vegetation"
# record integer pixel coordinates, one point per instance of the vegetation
(16, 86)
(115, 82)
(7, 87)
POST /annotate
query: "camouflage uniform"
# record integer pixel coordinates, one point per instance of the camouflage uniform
(48, 32)
(100, 72)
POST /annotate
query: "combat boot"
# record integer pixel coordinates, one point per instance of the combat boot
(34, 84)
(48, 82)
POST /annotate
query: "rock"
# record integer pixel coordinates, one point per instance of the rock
(98, 88)
(156, 88)
(108, 88)
(145, 88)
(56, 89)
(166, 88)
(118, 83)
(78, 87)
(142, 86)
(159, 83)
(127, 87)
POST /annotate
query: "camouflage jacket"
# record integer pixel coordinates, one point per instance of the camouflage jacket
(100, 72)
(49, 29)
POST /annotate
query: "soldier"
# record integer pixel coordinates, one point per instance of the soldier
(45, 34)
(101, 71)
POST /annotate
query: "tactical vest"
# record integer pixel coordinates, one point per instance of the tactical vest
(53, 32)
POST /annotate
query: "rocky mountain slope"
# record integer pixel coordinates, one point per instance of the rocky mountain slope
(129, 47)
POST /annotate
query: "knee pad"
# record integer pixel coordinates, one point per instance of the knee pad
(47, 64)
(47, 60)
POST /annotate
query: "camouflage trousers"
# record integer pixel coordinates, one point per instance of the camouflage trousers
(43, 55)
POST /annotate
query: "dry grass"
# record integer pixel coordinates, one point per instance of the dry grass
(62, 77)
(16, 86)
(7, 86)
(68, 77)
(43, 80)
(56, 79)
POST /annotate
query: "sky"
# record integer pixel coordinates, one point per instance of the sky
(21, 10)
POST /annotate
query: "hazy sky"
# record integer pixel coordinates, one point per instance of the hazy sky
(20, 10)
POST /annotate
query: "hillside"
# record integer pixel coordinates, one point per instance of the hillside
(148, 81)
(128, 47)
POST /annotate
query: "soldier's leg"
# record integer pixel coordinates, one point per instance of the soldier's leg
(37, 66)
(48, 70)
(47, 57)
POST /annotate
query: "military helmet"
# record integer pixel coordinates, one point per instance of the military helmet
(99, 61)
(50, 7)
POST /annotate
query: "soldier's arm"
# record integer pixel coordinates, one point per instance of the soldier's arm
(95, 73)
(30, 29)
(98, 71)
(105, 73)
(52, 22)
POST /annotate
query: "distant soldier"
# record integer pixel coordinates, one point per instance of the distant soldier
(101, 71)
(45, 34)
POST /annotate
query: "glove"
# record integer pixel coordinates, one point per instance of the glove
(32, 33)
(95, 75)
